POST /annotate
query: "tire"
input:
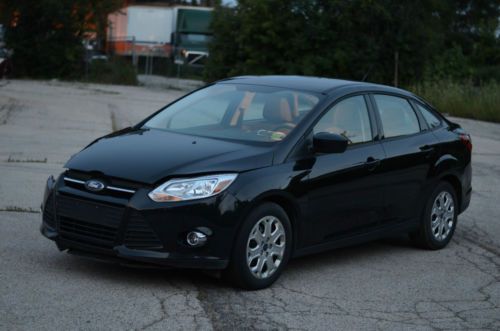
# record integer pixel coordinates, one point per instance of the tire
(266, 261)
(437, 226)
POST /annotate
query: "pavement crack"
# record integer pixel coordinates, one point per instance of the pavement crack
(7, 109)
(163, 311)
(16, 209)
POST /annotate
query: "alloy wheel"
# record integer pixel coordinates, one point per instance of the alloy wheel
(442, 216)
(266, 247)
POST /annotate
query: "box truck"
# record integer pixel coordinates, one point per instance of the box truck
(179, 32)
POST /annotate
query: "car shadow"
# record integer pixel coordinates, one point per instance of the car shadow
(133, 276)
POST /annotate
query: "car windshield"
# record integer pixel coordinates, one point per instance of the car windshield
(240, 112)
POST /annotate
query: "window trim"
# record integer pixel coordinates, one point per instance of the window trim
(379, 120)
(371, 118)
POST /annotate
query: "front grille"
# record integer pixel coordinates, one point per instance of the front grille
(113, 187)
(88, 222)
(48, 212)
(139, 234)
(88, 233)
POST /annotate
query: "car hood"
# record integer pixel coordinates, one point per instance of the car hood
(150, 155)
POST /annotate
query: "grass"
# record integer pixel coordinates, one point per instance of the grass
(463, 99)
(115, 71)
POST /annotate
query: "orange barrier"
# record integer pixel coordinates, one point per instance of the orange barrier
(128, 48)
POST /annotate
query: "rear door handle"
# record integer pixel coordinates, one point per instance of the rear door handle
(426, 148)
(372, 163)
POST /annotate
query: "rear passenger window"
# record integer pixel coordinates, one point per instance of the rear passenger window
(397, 116)
(432, 120)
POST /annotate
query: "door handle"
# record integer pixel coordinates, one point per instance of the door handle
(372, 163)
(426, 148)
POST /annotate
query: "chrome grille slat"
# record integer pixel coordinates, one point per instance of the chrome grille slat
(107, 187)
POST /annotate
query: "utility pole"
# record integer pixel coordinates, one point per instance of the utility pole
(396, 68)
(134, 54)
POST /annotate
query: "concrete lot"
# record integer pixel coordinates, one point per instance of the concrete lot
(387, 285)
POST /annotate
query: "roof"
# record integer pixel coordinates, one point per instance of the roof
(306, 83)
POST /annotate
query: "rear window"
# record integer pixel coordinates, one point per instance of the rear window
(432, 120)
(397, 116)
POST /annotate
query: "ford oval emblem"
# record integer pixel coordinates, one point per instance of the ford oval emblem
(94, 185)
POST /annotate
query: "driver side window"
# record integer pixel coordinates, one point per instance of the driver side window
(348, 118)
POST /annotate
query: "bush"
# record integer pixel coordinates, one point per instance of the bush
(46, 36)
(114, 71)
(480, 102)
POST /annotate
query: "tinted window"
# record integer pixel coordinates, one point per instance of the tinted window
(243, 112)
(397, 116)
(432, 120)
(348, 118)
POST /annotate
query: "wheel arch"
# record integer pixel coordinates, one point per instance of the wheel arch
(455, 183)
(444, 164)
(446, 169)
(287, 202)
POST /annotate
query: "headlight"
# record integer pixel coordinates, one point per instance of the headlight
(192, 188)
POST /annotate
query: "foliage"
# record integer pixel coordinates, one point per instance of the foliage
(46, 35)
(463, 99)
(356, 39)
(115, 71)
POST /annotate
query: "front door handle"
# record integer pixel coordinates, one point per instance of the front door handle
(372, 163)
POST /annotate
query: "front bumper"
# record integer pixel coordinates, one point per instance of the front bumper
(135, 231)
(125, 256)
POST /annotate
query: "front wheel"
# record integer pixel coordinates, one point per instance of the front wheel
(262, 248)
(439, 218)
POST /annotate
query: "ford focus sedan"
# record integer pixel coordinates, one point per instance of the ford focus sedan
(249, 172)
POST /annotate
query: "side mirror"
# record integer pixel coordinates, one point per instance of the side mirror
(324, 142)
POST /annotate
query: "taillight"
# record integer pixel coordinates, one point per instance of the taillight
(466, 140)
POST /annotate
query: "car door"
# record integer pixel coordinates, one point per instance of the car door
(345, 190)
(410, 151)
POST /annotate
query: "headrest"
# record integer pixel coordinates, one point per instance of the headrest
(277, 110)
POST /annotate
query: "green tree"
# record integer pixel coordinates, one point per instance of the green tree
(356, 39)
(46, 35)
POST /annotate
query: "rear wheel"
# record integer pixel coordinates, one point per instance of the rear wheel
(262, 248)
(439, 218)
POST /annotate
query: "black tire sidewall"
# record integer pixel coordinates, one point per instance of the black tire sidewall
(426, 227)
(238, 270)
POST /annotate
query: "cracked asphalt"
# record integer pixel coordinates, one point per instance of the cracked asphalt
(387, 285)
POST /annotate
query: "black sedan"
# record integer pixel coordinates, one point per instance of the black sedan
(248, 172)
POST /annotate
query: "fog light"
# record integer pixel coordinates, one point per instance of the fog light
(196, 239)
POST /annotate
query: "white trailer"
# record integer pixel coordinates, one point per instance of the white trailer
(141, 31)
(150, 24)
(182, 32)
